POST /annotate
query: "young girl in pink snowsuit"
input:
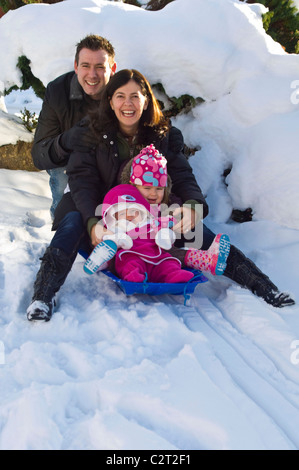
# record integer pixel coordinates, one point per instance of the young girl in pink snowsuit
(130, 213)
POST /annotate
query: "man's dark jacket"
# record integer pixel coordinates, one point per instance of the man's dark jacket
(64, 105)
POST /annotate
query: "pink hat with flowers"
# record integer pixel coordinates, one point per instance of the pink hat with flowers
(149, 168)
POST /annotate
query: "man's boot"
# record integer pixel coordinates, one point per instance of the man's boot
(55, 266)
(243, 271)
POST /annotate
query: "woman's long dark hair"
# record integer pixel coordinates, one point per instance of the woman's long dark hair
(105, 120)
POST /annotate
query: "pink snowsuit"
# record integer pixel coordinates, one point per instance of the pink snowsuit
(144, 260)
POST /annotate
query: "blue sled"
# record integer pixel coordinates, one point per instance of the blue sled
(156, 288)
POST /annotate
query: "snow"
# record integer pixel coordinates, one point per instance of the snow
(112, 372)
(216, 50)
(296, 4)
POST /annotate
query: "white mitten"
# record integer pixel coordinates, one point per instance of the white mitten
(165, 238)
(121, 239)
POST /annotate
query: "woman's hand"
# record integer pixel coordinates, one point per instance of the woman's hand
(188, 219)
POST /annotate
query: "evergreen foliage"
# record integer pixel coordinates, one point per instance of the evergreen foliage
(14, 4)
(29, 119)
(133, 2)
(155, 5)
(182, 104)
(281, 22)
(28, 79)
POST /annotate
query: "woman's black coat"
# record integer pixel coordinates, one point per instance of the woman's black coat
(92, 175)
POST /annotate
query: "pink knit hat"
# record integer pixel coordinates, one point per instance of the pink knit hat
(149, 168)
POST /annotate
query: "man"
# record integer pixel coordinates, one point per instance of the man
(68, 99)
(62, 127)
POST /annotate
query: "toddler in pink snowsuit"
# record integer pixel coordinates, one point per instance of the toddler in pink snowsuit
(130, 216)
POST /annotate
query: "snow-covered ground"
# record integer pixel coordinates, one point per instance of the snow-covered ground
(113, 372)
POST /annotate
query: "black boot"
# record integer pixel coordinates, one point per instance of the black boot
(243, 271)
(55, 266)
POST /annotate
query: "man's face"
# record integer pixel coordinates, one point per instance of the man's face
(94, 71)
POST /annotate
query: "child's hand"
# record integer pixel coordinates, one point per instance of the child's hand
(188, 219)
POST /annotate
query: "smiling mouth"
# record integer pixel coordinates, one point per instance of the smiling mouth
(128, 113)
(92, 83)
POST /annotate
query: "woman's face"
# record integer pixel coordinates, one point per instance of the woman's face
(128, 104)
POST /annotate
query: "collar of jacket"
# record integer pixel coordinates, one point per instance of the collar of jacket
(76, 91)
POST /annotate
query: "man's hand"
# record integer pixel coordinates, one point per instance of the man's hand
(97, 233)
(79, 137)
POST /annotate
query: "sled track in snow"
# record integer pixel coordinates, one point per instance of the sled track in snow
(249, 365)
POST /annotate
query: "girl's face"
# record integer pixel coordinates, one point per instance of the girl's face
(128, 104)
(153, 194)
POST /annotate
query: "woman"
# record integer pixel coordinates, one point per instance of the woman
(129, 118)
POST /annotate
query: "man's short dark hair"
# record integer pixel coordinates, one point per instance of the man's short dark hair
(95, 43)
